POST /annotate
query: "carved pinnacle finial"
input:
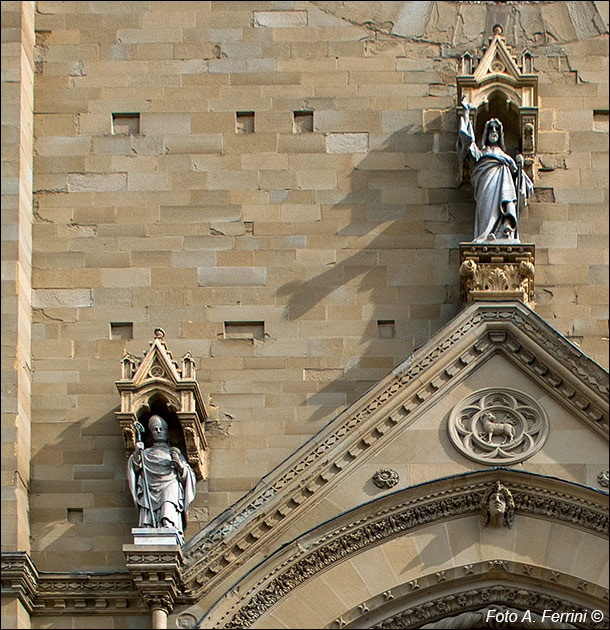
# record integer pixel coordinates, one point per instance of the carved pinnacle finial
(159, 333)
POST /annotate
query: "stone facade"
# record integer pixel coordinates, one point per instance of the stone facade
(275, 185)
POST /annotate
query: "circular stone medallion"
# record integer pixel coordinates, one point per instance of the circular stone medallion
(498, 426)
(385, 478)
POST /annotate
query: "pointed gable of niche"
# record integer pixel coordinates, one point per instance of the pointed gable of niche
(157, 380)
(498, 62)
(500, 87)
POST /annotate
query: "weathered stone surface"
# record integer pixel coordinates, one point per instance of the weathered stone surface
(347, 142)
(280, 19)
(330, 237)
(44, 298)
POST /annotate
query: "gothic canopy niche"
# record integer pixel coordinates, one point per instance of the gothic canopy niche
(499, 86)
(157, 379)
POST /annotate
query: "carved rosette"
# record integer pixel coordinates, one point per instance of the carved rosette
(385, 478)
(158, 376)
(498, 427)
(497, 271)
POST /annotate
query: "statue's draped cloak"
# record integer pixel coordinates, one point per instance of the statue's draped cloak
(493, 179)
(163, 484)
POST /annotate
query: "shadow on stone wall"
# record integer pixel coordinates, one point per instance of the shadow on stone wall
(404, 216)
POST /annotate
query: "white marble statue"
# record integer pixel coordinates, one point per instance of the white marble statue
(500, 185)
(161, 481)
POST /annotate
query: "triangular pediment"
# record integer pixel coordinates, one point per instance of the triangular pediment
(157, 363)
(497, 60)
(498, 353)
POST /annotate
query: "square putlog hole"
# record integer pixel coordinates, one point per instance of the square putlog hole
(126, 123)
(75, 515)
(302, 122)
(121, 330)
(386, 329)
(244, 330)
(244, 122)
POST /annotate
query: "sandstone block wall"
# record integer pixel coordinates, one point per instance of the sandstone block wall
(199, 165)
(17, 135)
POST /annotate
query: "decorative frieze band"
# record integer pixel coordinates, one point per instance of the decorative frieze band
(76, 593)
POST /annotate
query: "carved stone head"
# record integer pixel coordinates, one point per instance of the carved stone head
(493, 134)
(498, 507)
(158, 429)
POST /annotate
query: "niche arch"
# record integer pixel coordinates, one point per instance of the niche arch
(156, 383)
(500, 86)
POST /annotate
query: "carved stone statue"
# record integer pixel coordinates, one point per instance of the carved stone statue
(161, 481)
(498, 507)
(499, 182)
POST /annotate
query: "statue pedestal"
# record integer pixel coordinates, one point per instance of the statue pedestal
(497, 270)
(155, 564)
(156, 536)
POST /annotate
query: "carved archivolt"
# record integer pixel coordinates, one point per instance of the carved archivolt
(494, 598)
(498, 426)
(384, 524)
(455, 597)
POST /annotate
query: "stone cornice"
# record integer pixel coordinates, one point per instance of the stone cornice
(85, 593)
(44, 593)
(403, 511)
(478, 332)
(19, 577)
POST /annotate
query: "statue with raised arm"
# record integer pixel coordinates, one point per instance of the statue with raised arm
(499, 182)
(161, 481)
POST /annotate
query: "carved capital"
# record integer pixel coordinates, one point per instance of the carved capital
(497, 272)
